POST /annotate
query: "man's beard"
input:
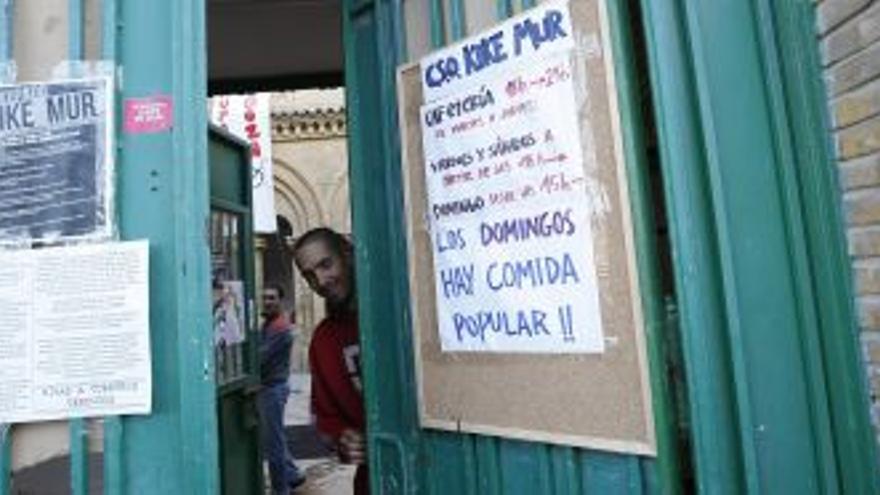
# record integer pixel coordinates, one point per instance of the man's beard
(335, 307)
(346, 304)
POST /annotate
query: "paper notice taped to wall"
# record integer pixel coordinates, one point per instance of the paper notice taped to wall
(74, 332)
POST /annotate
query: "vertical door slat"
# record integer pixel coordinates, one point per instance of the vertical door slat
(79, 457)
(456, 12)
(438, 32)
(6, 16)
(113, 480)
(75, 30)
(503, 9)
(5, 457)
(109, 24)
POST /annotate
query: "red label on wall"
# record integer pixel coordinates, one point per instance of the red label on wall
(148, 115)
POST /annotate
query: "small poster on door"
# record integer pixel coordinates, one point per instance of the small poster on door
(229, 315)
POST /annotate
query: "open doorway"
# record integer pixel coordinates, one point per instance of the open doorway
(290, 52)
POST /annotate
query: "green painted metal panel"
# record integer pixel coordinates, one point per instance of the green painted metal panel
(6, 31)
(709, 379)
(453, 463)
(663, 474)
(79, 457)
(438, 24)
(793, 219)
(79, 449)
(113, 475)
(373, 41)
(242, 469)
(457, 19)
(5, 458)
(736, 140)
(610, 473)
(163, 196)
(109, 28)
(75, 29)
(766, 320)
(231, 193)
(503, 9)
(756, 314)
(564, 469)
(487, 466)
(524, 467)
(851, 430)
(228, 163)
(447, 460)
(762, 322)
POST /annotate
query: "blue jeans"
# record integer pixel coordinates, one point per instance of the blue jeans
(282, 471)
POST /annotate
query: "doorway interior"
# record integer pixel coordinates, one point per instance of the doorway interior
(293, 50)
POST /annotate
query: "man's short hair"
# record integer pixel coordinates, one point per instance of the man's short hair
(276, 287)
(337, 242)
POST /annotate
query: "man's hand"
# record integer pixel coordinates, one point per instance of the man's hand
(352, 447)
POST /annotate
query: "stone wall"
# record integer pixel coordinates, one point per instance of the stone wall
(310, 160)
(849, 33)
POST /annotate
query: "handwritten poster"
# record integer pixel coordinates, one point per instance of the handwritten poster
(55, 160)
(250, 118)
(74, 332)
(508, 206)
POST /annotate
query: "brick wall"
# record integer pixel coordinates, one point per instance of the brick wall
(850, 44)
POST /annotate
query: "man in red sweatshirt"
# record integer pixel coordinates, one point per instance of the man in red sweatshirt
(326, 260)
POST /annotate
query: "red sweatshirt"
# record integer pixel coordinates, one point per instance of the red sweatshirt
(337, 393)
(334, 356)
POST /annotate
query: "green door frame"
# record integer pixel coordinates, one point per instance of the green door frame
(163, 196)
(241, 463)
(762, 275)
(775, 389)
(466, 463)
(373, 47)
(763, 280)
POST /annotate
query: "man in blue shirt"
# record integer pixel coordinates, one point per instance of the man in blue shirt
(276, 339)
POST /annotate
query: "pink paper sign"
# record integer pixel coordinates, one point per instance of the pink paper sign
(149, 114)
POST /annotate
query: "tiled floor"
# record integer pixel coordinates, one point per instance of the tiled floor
(324, 475)
(297, 411)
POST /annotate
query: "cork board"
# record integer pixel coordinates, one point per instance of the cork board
(600, 400)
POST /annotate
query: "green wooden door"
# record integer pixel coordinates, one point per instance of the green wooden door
(163, 195)
(773, 399)
(407, 458)
(235, 338)
(775, 388)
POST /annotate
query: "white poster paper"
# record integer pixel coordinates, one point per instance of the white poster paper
(250, 118)
(534, 35)
(510, 216)
(74, 332)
